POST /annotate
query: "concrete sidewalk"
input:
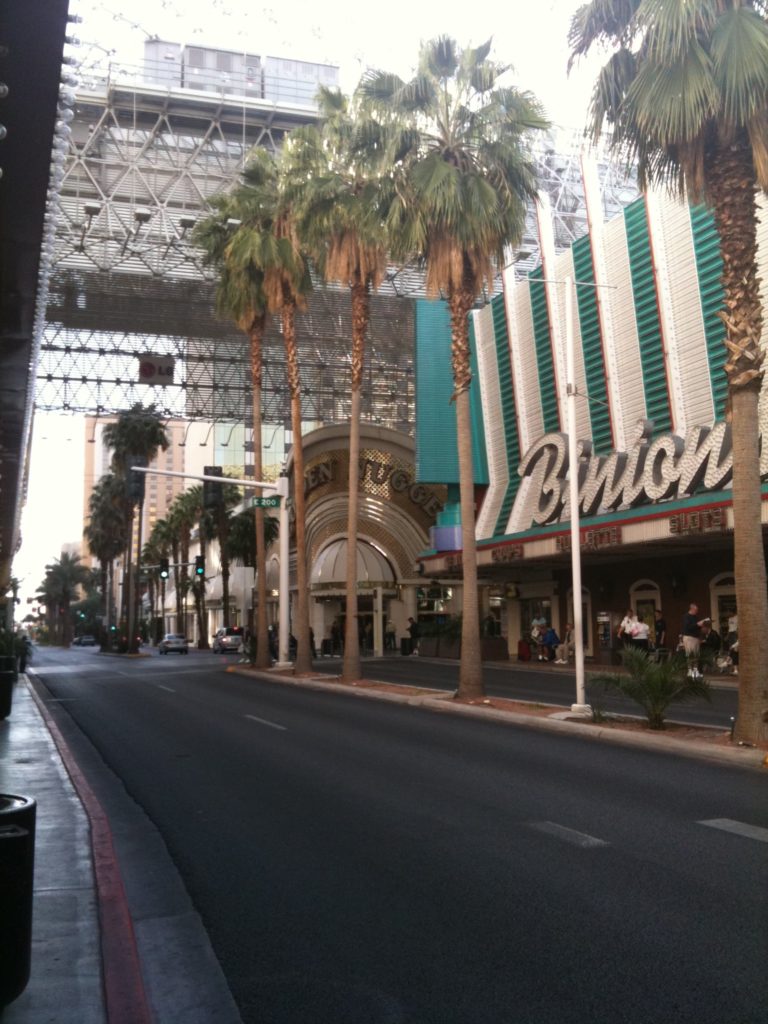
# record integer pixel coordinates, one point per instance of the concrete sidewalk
(115, 938)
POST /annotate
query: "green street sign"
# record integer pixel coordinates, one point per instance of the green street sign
(272, 502)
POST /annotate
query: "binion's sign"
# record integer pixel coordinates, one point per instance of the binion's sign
(669, 467)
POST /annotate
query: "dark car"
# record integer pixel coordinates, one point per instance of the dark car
(84, 641)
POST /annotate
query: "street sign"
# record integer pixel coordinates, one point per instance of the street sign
(271, 502)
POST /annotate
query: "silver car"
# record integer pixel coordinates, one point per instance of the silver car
(228, 638)
(173, 642)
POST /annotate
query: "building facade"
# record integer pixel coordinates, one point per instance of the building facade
(654, 446)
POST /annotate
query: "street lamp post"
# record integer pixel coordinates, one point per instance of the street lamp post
(581, 706)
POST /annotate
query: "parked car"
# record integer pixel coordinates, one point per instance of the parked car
(84, 641)
(228, 638)
(173, 642)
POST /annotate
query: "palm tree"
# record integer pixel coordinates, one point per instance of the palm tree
(268, 238)
(685, 92)
(161, 540)
(63, 577)
(338, 199)
(215, 524)
(135, 438)
(105, 531)
(462, 178)
(184, 513)
(240, 296)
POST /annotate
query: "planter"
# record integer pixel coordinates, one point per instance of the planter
(449, 647)
(494, 648)
(428, 646)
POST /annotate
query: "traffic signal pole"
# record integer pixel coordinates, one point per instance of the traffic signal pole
(280, 488)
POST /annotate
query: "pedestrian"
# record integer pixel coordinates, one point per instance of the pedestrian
(25, 651)
(390, 637)
(566, 647)
(660, 629)
(640, 637)
(335, 637)
(550, 641)
(413, 629)
(627, 627)
(312, 647)
(489, 625)
(711, 642)
(690, 632)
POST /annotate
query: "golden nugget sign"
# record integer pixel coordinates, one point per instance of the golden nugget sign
(651, 471)
(379, 473)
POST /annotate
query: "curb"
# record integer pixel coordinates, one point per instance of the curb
(124, 993)
(742, 757)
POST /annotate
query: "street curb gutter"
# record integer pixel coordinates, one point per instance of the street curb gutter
(742, 757)
(124, 993)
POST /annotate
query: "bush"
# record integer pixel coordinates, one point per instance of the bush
(654, 685)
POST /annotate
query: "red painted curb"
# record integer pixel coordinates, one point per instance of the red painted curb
(125, 996)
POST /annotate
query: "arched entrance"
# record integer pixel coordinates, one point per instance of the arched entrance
(376, 584)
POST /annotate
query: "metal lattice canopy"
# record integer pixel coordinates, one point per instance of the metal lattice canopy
(144, 162)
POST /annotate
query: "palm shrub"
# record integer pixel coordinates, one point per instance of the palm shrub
(654, 685)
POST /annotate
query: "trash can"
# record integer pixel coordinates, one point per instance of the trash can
(17, 863)
(406, 645)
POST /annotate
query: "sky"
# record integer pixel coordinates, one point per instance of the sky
(530, 37)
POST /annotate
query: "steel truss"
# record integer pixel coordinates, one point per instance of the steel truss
(144, 162)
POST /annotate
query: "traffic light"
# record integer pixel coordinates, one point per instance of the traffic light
(164, 568)
(199, 565)
(213, 494)
(136, 481)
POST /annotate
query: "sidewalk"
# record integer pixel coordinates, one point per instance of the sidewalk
(115, 939)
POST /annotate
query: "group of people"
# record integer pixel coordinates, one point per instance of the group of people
(549, 646)
(699, 640)
(636, 632)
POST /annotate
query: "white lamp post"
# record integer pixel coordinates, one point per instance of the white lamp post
(581, 706)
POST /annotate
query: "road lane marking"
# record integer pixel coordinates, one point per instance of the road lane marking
(568, 835)
(167, 688)
(264, 721)
(739, 828)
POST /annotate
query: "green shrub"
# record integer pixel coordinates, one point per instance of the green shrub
(654, 685)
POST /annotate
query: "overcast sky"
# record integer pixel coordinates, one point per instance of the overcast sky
(530, 36)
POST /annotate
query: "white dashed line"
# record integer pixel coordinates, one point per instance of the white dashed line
(263, 721)
(739, 828)
(166, 688)
(568, 835)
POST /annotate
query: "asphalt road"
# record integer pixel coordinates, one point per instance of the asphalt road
(357, 862)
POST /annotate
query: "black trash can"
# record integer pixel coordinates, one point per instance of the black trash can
(17, 864)
(406, 645)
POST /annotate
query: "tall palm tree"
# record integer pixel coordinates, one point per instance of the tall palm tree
(105, 531)
(184, 513)
(215, 524)
(268, 238)
(686, 93)
(240, 296)
(338, 201)
(134, 437)
(462, 177)
(63, 578)
(161, 540)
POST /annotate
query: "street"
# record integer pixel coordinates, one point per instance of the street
(355, 861)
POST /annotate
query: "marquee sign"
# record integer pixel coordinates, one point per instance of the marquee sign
(669, 467)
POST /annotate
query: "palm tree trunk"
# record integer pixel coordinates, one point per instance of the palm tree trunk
(351, 670)
(470, 668)
(732, 182)
(301, 618)
(263, 657)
